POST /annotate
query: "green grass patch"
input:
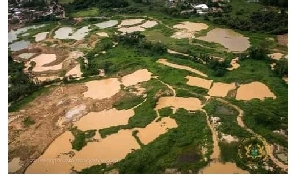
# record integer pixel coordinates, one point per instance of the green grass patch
(166, 112)
(80, 138)
(28, 122)
(129, 100)
(90, 12)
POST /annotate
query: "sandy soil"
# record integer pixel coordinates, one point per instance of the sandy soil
(155, 129)
(199, 82)
(272, 66)
(174, 52)
(230, 39)
(102, 34)
(26, 56)
(276, 56)
(99, 89)
(221, 89)
(234, 64)
(14, 165)
(229, 138)
(177, 66)
(47, 78)
(136, 77)
(285, 79)
(188, 29)
(254, 90)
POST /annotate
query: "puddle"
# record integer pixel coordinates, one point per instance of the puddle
(276, 56)
(19, 45)
(188, 29)
(230, 39)
(102, 34)
(130, 22)
(12, 35)
(107, 24)
(149, 24)
(43, 59)
(136, 77)
(253, 90)
(131, 29)
(104, 119)
(199, 82)
(41, 36)
(234, 64)
(26, 55)
(155, 129)
(177, 66)
(67, 33)
(220, 168)
(179, 102)
(14, 165)
(75, 72)
(99, 89)
(221, 89)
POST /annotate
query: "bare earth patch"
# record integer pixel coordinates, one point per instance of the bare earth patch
(188, 29)
(234, 63)
(130, 22)
(276, 56)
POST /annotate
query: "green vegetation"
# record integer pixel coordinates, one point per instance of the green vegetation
(179, 148)
(90, 12)
(28, 122)
(228, 151)
(129, 100)
(81, 137)
(166, 112)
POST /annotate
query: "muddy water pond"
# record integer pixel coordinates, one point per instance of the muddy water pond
(188, 29)
(99, 89)
(19, 45)
(68, 33)
(177, 66)
(41, 36)
(230, 39)
(199, 82)
(102, 34)
(221, 89)
(220, 168)
(149, 24)
(130, 22)
(107, 24)
(75, 72)
(104, 119)
(136, 77)
(26, 55)
(131, 29)
(254, 90)
(179, 102)
(155, 129)
(43, 59)
(12, 35)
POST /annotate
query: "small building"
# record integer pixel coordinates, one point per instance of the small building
(203, 7)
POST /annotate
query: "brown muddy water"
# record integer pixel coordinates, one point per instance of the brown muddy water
(221, 89)
(190, 103)
(99, 89)
(177, 66)
(199, 82)
(254, 90)
(155, 129)
(230, 39)
(136, 77)
(43, 59)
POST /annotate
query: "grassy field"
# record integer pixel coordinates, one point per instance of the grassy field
(90, 12)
